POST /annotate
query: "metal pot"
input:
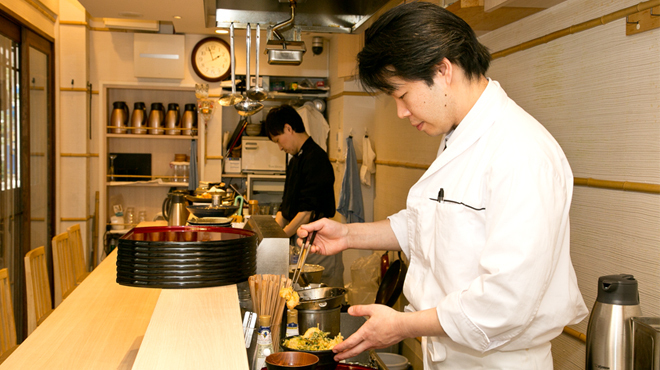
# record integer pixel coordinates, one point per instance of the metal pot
(321, 298)
(310, 273)
(325, 320)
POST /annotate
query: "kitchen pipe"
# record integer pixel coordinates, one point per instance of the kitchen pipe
(276, 48)
(285, 23)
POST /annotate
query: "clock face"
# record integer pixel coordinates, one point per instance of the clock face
(211, 59)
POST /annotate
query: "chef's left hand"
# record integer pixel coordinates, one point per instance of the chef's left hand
(379, 331)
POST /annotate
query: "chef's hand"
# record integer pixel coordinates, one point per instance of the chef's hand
(330, 236)
(379, 331)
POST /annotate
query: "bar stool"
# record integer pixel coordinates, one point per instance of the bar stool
(39, 303)
(65, 280)
(8, 333)
(80, 270)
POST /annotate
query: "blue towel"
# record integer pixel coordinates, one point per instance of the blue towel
(350, 198)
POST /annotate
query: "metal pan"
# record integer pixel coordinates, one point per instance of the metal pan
(392, 285)
(210, 211)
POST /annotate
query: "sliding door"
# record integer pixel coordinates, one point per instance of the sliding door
(26, 152)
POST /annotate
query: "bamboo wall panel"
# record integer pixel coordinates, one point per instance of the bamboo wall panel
(566, 14)
(605, 120)
(616, 232)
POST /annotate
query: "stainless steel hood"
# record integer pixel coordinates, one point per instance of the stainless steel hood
(317, 16)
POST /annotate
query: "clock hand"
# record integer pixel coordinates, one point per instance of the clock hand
(210, 52)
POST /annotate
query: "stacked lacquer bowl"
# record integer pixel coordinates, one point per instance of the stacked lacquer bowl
(182, 257)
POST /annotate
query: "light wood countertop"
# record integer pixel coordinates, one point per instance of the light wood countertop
(104, 325)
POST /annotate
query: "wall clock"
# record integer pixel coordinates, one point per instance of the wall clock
(211, 59)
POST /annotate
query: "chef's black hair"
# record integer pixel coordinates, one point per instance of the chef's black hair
(410, 40)
(279, 116)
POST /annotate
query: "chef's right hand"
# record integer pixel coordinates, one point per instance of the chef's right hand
(330, 236)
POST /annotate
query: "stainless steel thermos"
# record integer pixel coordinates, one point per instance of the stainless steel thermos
(118, 117)
(138, 118)
(174, 208)
(156, 119)
(189, 120)
(172, 119)
(609, 334)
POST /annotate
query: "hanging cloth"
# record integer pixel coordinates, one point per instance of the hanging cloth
(192, 176)
(350, 198)
(368, 166)
(315, 124)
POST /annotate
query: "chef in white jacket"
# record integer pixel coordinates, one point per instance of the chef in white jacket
(486, 228)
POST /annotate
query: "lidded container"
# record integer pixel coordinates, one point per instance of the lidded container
(181, 168)
(254, 207)
(609, 344)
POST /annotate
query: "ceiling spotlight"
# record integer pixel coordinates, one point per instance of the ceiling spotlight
(222, 31)
(177, 17)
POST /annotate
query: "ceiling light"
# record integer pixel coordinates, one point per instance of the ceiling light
(222, 31)
(177, 17)
(131, 14)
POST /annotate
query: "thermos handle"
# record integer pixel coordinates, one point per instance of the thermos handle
(125, 108)
(166, 206)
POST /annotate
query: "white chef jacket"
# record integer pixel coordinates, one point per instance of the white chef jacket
(493, 255)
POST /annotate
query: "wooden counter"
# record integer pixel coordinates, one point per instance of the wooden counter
(104, 325)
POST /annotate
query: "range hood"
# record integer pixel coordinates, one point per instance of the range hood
(316, 16)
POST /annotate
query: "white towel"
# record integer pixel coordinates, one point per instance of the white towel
(315, 124)
(368, 166)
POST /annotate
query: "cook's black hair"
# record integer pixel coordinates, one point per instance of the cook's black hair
(409, 41)
(279, 116)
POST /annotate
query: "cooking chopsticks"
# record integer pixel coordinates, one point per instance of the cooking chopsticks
(305, 249)
(303, 257)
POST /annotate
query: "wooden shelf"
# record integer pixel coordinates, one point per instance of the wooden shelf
(145, 184)
(148, 136)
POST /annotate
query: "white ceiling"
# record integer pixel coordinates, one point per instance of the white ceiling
(198, 16)
(191, 12)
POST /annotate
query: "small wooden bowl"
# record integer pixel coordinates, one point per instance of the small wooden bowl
(291, 360)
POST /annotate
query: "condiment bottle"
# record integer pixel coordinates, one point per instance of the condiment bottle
(264, 342)
(292, 322)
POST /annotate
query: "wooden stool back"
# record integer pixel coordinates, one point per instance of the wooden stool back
(78, 252)
(8, 334)
(65, 281)
(39, 303)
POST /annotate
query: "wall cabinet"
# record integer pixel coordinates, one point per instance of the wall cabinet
(143, 193)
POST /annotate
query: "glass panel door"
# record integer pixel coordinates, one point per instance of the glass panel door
(10, 153)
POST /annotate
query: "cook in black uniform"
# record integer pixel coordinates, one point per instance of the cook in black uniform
(309, 184)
